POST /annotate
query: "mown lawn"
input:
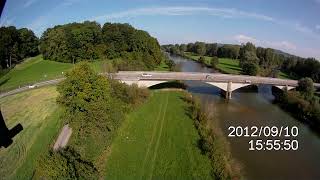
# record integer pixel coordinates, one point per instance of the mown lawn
(158, 141)
(226, 65)
(37, 112)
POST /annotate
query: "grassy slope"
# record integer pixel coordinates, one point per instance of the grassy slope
(38, 113)
(158, 141)
(36, 69)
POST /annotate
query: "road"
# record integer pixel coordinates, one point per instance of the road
(168, 76)
(208, 77)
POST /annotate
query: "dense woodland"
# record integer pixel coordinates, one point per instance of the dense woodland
(134, 49)
(254, 60)
(15, 45)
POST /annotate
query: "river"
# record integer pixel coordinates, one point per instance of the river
(255, 108)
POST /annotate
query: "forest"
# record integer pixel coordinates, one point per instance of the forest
(16, 45)
(134, 49)
(131, 49)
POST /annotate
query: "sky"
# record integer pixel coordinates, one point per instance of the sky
(289, 25)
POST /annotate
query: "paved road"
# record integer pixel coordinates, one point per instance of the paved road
(208, 77)
(151, 75)
(36, 85)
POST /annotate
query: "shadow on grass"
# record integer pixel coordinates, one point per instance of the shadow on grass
(4, 81)
(6, 134)
(231, 65)
(171, 84)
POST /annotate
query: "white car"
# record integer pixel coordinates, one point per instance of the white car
(248, 81)
(31, 86)
(146, 75)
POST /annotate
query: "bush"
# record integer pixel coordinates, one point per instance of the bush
(65, 164)
(212, 142)
(250, 69)
(202, 60)
(214, 62)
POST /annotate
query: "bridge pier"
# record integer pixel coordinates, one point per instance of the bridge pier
(229, 90)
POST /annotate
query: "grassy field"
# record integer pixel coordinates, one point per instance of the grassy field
(162, 67)
(158, 141)
(226, 65)
(36, 69)
(38, 113)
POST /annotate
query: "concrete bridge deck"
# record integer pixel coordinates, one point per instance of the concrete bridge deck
(226, 82)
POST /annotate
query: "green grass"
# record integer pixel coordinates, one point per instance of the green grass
(162, 67)
(36, 69)
(38, 113)
(226, 65)
(158, 141)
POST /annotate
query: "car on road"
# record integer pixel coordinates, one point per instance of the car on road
(247, 81)
(146, 75)
(32, 86)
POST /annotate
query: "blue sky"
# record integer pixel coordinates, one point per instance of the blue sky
(290, 25)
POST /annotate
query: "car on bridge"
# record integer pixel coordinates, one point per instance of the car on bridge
(146, 75)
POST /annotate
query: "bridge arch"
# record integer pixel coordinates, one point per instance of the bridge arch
(284, 87)
(224, 85)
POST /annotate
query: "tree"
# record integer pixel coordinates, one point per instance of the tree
(251, 69)
(214, 61)
(183, 48)
(200, 48)
(306, 88)
(15, 45)
(249, 57)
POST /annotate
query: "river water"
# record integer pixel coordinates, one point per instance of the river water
(255, 108)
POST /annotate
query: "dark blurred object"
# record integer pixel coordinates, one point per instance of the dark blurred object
(6, 135)
(2, 3)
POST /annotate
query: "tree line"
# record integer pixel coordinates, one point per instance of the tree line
(302, 103)
(15, 45)
(133, 49)
(254, 60)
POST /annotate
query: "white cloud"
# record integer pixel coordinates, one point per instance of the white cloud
(244, 39)
(28, 3)
(282, 45)
(183, 10)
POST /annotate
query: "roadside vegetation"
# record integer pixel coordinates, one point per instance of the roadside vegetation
(38, 113)
(302, 103)
(94, 107)
(158, 141)
(212, 141)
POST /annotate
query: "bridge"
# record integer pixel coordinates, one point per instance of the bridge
(226, 82)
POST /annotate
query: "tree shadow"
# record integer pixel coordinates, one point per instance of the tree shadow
(230, 65)
(6, 135)
(4, 81)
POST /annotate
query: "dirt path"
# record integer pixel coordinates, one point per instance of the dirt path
(63, 138)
